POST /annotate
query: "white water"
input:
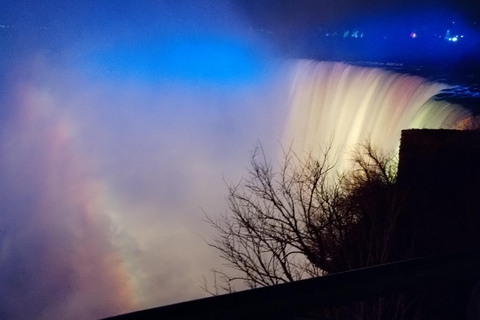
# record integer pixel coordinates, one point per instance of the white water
(347, 105)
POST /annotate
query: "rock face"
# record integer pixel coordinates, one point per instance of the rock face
(440, 172)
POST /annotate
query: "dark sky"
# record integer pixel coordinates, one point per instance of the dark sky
(110, 21)
(261, 12)
(292, 24)
(285, 12)
(107, 21)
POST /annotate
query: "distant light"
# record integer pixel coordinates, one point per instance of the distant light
(454, 39)
(413, 35)
(447, 36)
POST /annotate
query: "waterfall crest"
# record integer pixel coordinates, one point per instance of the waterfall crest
(346, 105)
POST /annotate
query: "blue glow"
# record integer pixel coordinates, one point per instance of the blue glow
(183, 59)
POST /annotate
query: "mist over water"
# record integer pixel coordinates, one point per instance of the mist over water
(113, 144)
(104, 181)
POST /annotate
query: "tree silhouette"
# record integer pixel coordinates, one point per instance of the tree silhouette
(301, 219)
(295, 220)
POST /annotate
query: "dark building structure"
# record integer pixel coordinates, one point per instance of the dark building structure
(440, 171)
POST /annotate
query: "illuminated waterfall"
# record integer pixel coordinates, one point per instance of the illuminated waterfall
(347, 105)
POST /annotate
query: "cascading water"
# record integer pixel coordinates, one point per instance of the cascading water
(345, 105)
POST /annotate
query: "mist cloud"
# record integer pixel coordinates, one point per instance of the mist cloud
(113, 142)
(104, 180)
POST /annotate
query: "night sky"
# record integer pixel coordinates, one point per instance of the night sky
(110, 18)
(120, 122)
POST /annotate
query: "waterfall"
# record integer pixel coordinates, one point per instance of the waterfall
(345, 105)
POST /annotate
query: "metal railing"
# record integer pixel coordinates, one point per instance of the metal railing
(294, 300)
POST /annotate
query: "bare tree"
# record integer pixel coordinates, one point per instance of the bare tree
(283, 224)
(369, 193)
(301, 219)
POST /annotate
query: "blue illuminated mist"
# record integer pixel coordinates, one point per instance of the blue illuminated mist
(120, 122)
(205, 59)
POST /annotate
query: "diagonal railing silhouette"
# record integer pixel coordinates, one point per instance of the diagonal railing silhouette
(297, 299)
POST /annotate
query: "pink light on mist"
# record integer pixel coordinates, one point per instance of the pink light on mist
(104, 181)
(66, 266)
